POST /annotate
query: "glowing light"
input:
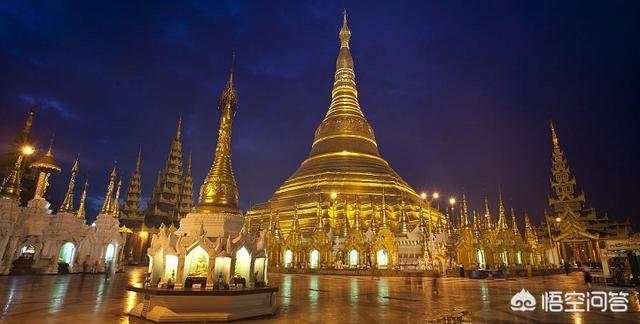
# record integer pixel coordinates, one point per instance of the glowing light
(423, 195)
(143, 234)
(558, 219)
(334, 195)
(436, 195)
(288, 258)
(27, 150)
(315, 259)
(452, 201)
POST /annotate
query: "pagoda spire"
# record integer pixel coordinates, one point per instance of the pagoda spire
(24, 138)
(502, 214)
(81, 213)
(464, 213)
(67, 204)
(107, 205)
(487, 214)
(131, 213)
(563, 183)
(219, 191)
(529, 233)
(11, 185)
(115, 207)
(162, 205)
(514, 223)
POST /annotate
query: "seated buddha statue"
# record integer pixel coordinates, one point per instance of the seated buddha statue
(200, 269)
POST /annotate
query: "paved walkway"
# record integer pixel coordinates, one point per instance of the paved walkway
(305, 298)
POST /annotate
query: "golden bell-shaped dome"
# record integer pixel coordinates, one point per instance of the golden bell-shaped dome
(344, 160)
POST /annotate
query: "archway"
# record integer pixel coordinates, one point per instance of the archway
(221, 270)
(243, 263)
(109, 258)
(382, 259)
(170, 268)
(196, 263)
(258, 269)
(314, 259)
(66, 253)
(353, 258)
(288, 258)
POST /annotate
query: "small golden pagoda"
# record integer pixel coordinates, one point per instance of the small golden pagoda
(344, 165)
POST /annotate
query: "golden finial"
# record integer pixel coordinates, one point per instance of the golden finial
(179, 128)
(228, 96)
(554, 137)
(345, 33)
(139, 159)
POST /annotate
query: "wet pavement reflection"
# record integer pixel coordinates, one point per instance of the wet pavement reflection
(303, 298)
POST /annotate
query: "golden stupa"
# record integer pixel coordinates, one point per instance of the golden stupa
(344, 170)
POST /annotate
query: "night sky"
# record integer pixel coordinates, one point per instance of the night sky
(459, 94)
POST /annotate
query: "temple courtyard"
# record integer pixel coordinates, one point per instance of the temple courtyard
(308, 298)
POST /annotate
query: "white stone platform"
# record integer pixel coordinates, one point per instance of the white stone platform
(200, 305)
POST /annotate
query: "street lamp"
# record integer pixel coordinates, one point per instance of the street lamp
(435, 195)
(423, 195)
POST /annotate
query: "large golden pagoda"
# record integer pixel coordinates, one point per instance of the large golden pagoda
(344, 170)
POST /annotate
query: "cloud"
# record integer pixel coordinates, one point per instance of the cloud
(51, 103)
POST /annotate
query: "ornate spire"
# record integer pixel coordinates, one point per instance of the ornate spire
(131, 214)
(514, 223)
(81, 212)
(320, 224)
(529, 233)
(502, 214)
(107, 205)
(67, 204)
(464, 213)
(487, 214)
(563, 183)
(219, 191)
(115, 207)
(162, 205)
(11, 185)
(24, 137)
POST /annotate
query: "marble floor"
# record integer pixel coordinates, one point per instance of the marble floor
(306, 298)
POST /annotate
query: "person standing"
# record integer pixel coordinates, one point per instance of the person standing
(587, 275)
(461, 270)
(566, 268)
(529, 270)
